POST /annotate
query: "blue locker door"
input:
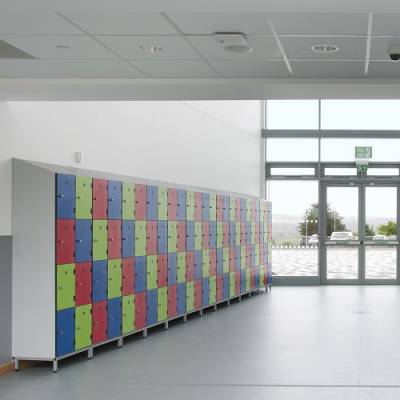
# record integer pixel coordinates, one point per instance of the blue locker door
(114, 322)
(114, 200)
(226, 286)
(162, 228)
(181, 300)
(152, 306)
(140, 274)
(65, 187)
(237, 258)
(213, 235)
(220, 259)
(172, 268)
(99, 276)
(152, 203)
(205, 292)
(181, 203)
(65, 335)
(225, 209)
(257, 277)
(197, 265)
(189, 236)
(128, 242)
(243, 210)
(232, 233)
(205, 207)
(248, 233)
(242, 281)
(83, 240)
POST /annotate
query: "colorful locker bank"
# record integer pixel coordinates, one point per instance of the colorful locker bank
(124, 256)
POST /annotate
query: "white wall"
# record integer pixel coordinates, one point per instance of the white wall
(214, 145)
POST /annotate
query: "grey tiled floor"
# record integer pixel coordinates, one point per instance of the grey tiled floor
(336, 342)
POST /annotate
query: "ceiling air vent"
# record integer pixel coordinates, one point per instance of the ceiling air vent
(11, 52)
(234, 42)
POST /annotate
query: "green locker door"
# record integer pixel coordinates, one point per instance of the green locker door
(248, 210)
(232, 211)
(162, 203)
(128, 201)
(172, 236)
(83, 326)
(220, 234)
(243, 257)
(237, 233)
(189, 296)
(261, 280)
(83, 197)
(140, 238)
(181, 267)
(232, 284)
(65, 286)
(151, 272)
(248, 279)
(197, 236)
(225, 265)
(114, 278)
(213, 207)
(99, 240)
(128, 314)
(190, 205)
(205, 263)
(162, 310)
(213, 289)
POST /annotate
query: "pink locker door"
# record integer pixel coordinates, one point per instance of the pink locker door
(213, 262)
(140, 310)
(100, 198)
(231, 258)
(205, 235)
(65, 241)
(237, 282)
(220, 207)
(257, 232)
(172, 204)
(220, 288)
(252, 278)
(99, 322)
(237, 209)
(225, 237)
(197, 294)
(151, 246)
(141, 202)
(128, 273)
(181, 235)
(189, 266)
(162, 271)
(83, 283)
(114, 239)
(172, 296)
(197, 206)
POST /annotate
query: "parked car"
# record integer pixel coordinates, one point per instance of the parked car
(379, 237)
(313, 240)
(342, 236)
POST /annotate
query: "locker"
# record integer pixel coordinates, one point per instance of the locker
(225, 234)
(65, 332)
(99, 240)
(65, 286)
(248, 279)
(225, 208)
(140, 202)
(205, 207)
(162, 203)
(84, 197)
(237, 258)
(220, 261)
(197, 236)
(128, 201)
(99, 276)
(197, 206)
(231, 259)
(152, 267)
(237, 283)
(128, 239)
(181, 205)
(237, 209)
(243, 257)
(248, 233)
(181, 236)
(140, 274)
(243, 233)
(172, 268)
(232, 209)
(232, 233)
(225, 258)
(220, 207)
(114, 200)
(242, 210)
(220, 233)
(172, 237)
(189, 235)
(205, 291)
(83, 283)
(152, 305)
(238, 235)
(65, 187)
(83, 326)
(252, 255)
(213, 235)
(65, 241)
(128, 314)
(248, 256)
(181, 299)
(152, 239)
(198, 266)
(213, 289)
(140, 238)
(257, 255)
(243, 281)
(99, 322)
(205, 235)
(189, 296)
(162, 305)
(100, 198)
(232, 284)
(152, 203)
(220, 288)
(128, 274)
(162, 270)
(190, 266)
(205, 263)
(114, 318)
(189, 205)
(172, 204)
(226, 286)
(181, 267)
(114, 239)
(248, 210)
(83, 240)
(140, 310)
(257, 277)
(197, 294)
(172, 300)
(258, 233)
(162, 236)
(213, 207)
(213, 262)
(114, 279)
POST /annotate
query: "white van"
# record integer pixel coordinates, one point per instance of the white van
(342, 236)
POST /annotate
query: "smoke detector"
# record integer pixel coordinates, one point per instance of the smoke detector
(325, 48)
(233, 42)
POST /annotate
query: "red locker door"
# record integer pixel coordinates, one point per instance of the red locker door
(225, 237)
(243, 230)
(100, 198)
(213, 262)
(141, 201)
(181, 235)
(140, 310)
(189, 266)
(114, 239)
(205, 239)
(197, 206)
(220, 207)
(151, 246)
(83, 283)
(237, 282)
(237, 209)
(65, 241)
(128, 273)
(172, 296)
(231, 258)
(99, 322)
(220, 288)
(172, 204)
(197, 294)
(162, 272)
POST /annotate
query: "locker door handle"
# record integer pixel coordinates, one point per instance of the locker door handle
(79, 241)
(61, 196)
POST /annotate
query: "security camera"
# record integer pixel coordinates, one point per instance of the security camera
(394, 52)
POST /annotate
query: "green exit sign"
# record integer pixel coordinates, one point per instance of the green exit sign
(363, 152)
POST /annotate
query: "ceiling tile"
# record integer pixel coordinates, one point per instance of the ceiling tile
(46, 46)
(208, 23)
(331, 69)
(173, 47)
(299, 47)
(379, 46)
(251, 69)
(30, 69)
(176, 69)
(386, 24)
(320, 24)
(384, 69)
(122, 23)
(264, 47)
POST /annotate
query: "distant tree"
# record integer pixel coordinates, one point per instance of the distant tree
(388, 229)
(369, 230)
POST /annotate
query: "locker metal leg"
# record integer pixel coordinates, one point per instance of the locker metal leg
(120, 342)
(249, 294)
(201, 313)
(144, 333)
(215, 307)
(240, 298)
(55, 365)
(184, 318)
(166, 325)
(90, 353)
(228, 303)
(16, 364)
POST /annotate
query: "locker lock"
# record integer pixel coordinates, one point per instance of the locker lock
(61, 196)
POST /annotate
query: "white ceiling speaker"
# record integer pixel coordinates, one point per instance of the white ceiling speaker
(325, 48)
(234, 42)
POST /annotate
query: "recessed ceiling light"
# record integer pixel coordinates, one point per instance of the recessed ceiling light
(325, 48)
(63, 47)
(239, 48)
(151, 49)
